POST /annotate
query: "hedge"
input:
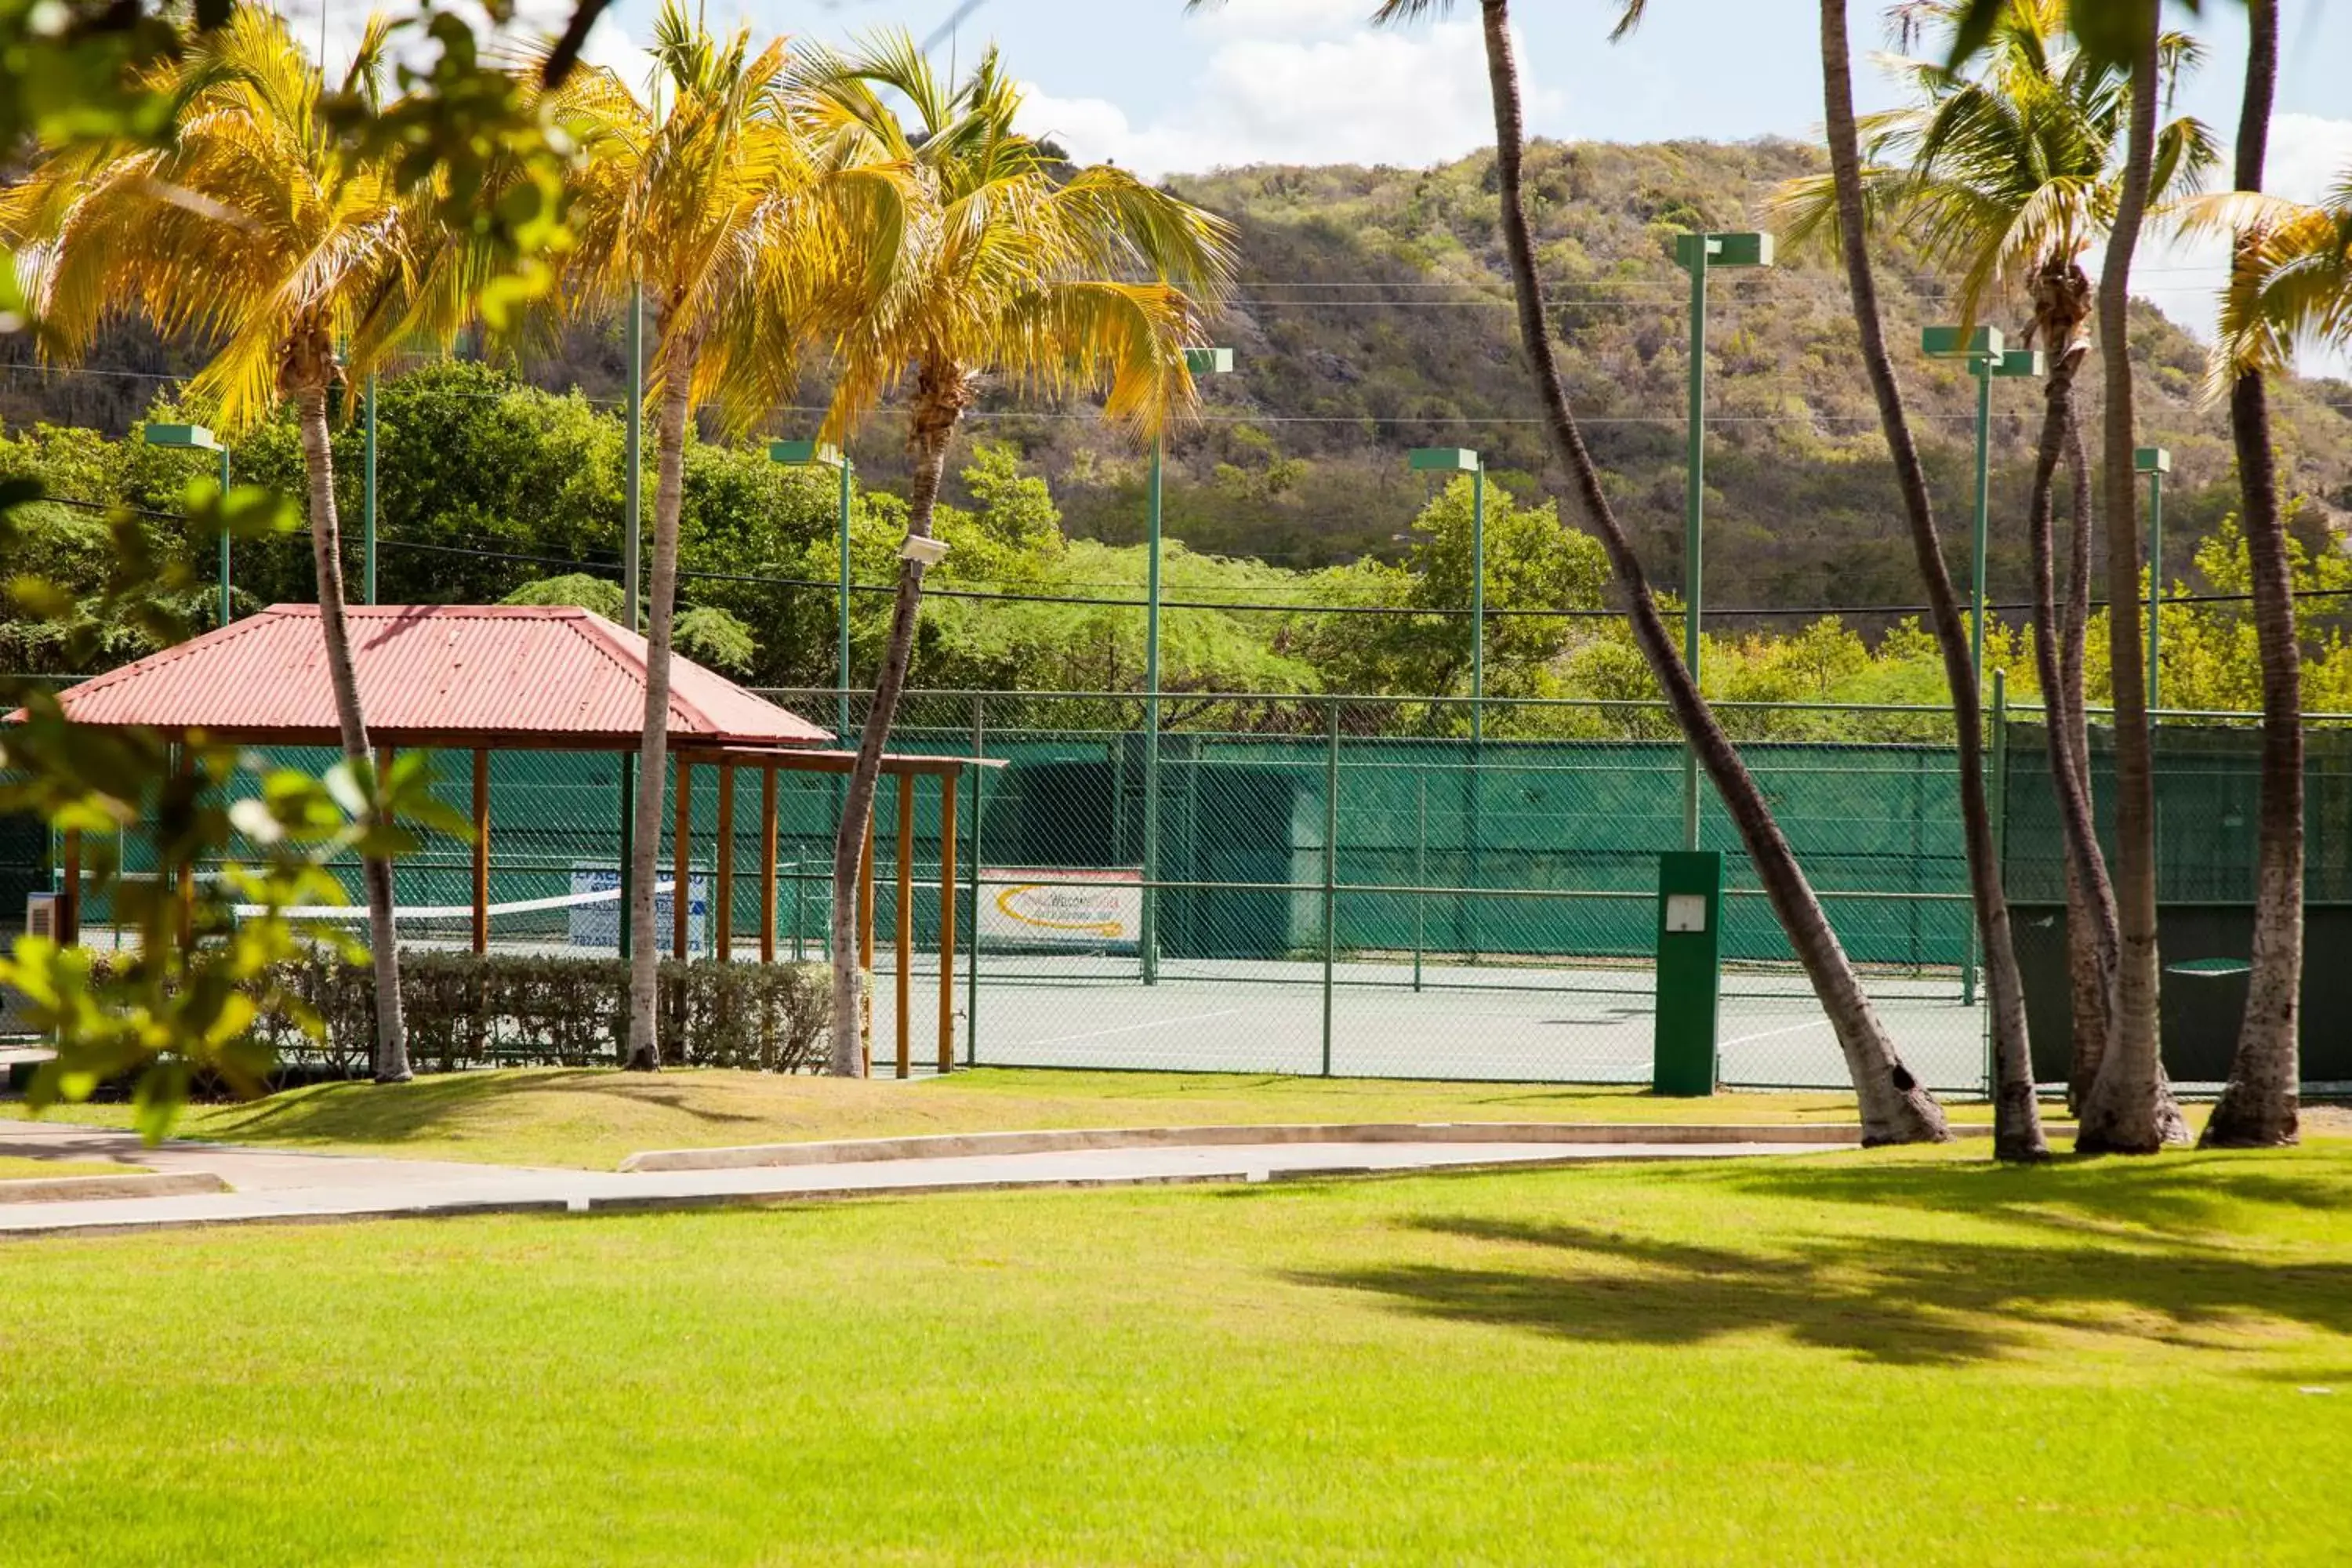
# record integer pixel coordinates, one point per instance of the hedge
(550, 1010)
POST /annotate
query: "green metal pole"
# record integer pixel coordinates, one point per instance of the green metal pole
(1420, 873)
(2000, 811)
(1330, 870)
(840, 606)
(1148, 938)
(1478, 602)
(971, 871)
(1693, 514)
(2154, 575)
(224, 538)
(367, 489)
(1984, 502)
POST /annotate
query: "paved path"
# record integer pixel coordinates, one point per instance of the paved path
(275, 1185)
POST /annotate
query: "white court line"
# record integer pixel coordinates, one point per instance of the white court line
(1125, 1028)
(1768, 1034)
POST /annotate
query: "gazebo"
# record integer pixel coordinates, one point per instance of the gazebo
(504, 678)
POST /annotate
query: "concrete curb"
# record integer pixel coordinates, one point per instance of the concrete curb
(137, 1184)
(954, 1145)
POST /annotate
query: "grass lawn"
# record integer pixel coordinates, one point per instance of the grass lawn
(594, 1117)
(1909, 1357)
(16, 1168)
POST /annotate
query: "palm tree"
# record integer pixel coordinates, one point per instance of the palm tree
(2130, 1108)
(711, 205)
(252, 228)
(1896, 1107)
(1017, 266)
(2008, 175)
(2292, 277)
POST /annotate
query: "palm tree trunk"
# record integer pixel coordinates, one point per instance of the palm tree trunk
(2130, 1108)
(2090, 901)
(327, 559)
(2017, 1117)
(941, 393)
(653, 753)
(2259, 1106)
(1894, 1107)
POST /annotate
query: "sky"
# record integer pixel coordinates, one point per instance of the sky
(1143, 84)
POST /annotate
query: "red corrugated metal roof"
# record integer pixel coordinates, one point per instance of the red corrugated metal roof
(510, 675)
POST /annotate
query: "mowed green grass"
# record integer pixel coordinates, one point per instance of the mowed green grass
(1906, 1357)
(19, 1168)
(594, 1117)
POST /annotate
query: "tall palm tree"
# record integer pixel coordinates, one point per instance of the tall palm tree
(1015, 265)
(2279, 255)
(709, 203)
(2130, 1108)
(251, 227)
(1894, 1107)
(2008, 174)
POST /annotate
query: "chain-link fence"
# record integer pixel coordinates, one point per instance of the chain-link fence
(1358, 886)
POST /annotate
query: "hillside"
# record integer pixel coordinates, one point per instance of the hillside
(1373, 316)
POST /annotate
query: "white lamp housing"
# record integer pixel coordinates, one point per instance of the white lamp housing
(923, 552)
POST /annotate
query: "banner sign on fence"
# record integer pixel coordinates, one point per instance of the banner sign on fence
(597, 922)
(1032, 907)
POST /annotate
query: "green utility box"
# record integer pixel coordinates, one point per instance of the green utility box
(1690, 970)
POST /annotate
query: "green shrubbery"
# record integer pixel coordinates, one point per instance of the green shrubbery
(554, 1010)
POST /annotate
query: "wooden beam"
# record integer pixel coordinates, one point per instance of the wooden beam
(865, 951)
(725, 912)
(684, 847)
(904, 931)
(767, 865)
(948, 924)
(481, 850)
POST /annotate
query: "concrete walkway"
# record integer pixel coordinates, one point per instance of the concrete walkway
(271, 1184)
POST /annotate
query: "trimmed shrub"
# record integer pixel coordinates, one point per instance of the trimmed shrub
(554, 1010)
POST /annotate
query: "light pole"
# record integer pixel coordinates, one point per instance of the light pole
(810, 455)
(1985, 359)
(1197, 362)
(367, 489)
(1461, 460)
(2155, 462)
(196, 439)
(1698, 254)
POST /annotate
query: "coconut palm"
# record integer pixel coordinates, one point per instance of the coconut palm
(2006, 171)
(253, 228)
(1014, 266)
(2292, 277)
(1894, 1107)
(712, 205)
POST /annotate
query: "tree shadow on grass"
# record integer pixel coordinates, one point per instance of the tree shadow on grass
(392, 1114)
(1900, 1301)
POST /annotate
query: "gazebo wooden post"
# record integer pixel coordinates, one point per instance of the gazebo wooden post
(69, 896)
(768, 864)
(948, 920)
(679, 897)
(725, 912)
(865, 951)
(182, 765)
(481, 850)
(903, 928)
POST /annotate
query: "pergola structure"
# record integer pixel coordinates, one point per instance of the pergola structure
(487, 678)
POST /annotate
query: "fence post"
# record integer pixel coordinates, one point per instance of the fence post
(1330, 868)
(1420, 870)
(2000, 813)
(971, 940)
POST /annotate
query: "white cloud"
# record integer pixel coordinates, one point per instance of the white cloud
(1300, 82)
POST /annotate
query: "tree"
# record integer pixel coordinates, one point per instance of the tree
(255, 227)
(2259, 1106)
(709, 206)
(1894, 1107)
(1013, 265)
(2009, 175)
(2017, 1120)
(2130, 1108)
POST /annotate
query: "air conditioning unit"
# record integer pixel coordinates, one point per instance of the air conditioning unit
(41, 914)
